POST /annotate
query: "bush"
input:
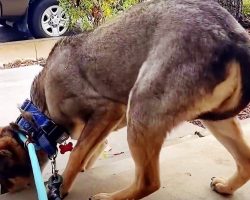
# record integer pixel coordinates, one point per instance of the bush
(246, 7)
(91, 13)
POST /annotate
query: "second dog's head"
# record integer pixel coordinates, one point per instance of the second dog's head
(15, 167)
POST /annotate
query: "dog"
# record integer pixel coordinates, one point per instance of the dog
(160, 63)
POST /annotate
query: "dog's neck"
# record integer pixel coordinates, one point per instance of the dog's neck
(37, 96)
(37, 92)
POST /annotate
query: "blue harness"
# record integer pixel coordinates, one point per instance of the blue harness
(42, 131)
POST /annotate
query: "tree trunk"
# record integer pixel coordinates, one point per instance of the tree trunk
(233, 6)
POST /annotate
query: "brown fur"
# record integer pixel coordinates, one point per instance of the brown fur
(155, 66)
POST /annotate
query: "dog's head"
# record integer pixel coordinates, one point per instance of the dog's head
(15, 168)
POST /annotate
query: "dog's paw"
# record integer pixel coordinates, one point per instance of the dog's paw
(102, 196)
(221, 186)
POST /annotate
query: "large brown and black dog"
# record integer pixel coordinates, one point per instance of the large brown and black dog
(160, 63)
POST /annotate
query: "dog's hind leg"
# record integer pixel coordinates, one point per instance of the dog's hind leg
(151, 114)
(157, 103)
(95, 131)
(230, 135)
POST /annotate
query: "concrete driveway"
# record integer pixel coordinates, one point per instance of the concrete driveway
(8, 34)
(187, 161)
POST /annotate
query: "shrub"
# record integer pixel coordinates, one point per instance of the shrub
(91, 13)
(246, 7)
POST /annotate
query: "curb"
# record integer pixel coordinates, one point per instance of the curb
(27, 49)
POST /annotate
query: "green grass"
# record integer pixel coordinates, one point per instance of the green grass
(246, 7)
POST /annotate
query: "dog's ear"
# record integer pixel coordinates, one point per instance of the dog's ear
(26, 115)
(6, 159)
(7, 143)
(14, 126)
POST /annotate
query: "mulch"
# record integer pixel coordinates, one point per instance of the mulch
(24, 63)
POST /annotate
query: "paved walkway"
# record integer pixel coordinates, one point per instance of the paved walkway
(186, 170)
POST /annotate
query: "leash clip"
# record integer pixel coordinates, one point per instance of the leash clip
(55, 181)
(53, 165)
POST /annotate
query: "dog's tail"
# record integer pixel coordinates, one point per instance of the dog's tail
(241, 53)
(225, 54)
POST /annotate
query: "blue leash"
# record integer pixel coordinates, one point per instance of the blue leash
(40, 187)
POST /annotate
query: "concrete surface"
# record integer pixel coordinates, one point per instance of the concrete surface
(14, 89)
(187, 162)
(186, 171)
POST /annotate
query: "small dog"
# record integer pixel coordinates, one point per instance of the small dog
(159, 64)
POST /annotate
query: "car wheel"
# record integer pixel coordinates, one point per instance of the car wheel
(3, 22)
(47, 19)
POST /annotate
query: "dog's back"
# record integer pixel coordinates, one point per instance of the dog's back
(111, 56)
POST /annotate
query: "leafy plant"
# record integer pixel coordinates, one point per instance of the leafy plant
(91, 13)
(246, 7)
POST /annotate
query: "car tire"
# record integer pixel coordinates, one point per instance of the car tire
(3, 22)
(47, 19)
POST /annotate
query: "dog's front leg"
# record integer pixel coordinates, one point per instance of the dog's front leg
(94, 156)
(145, 139)
(95, 131)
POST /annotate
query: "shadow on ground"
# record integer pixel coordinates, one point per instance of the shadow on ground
(9, 34)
